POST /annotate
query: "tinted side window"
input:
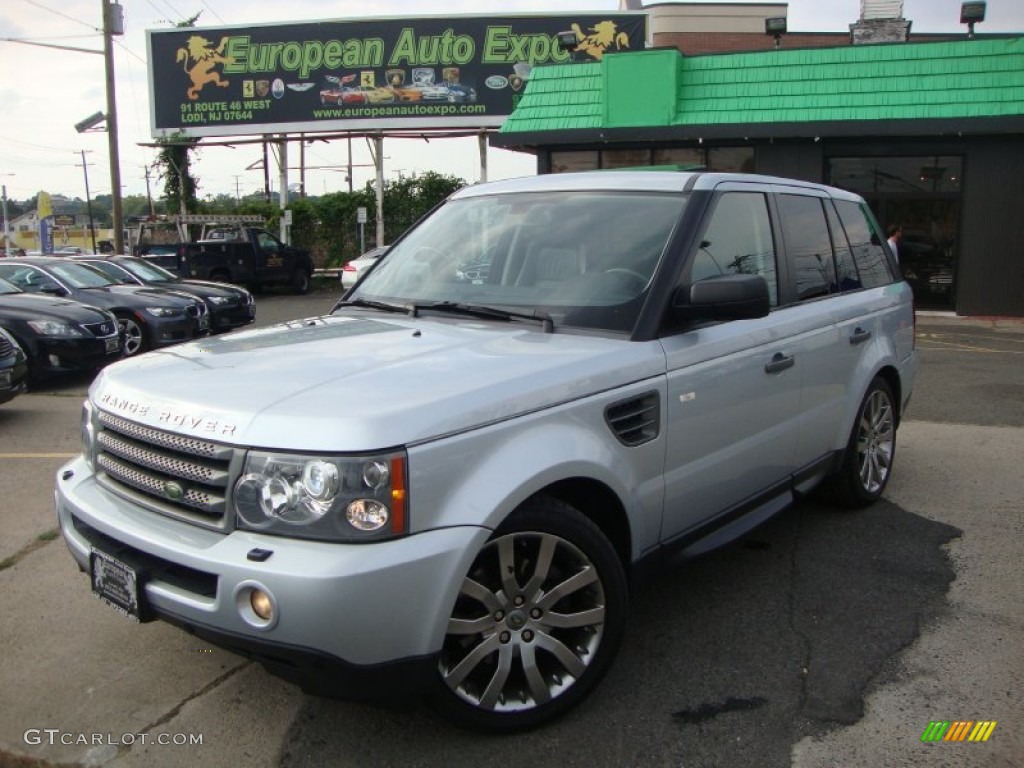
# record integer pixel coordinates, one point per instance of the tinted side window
(846, 270)
(808, 245)
(738, 240)
(868, 253)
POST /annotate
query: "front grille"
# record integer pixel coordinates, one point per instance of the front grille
(180, 476)
(6, 348)
(108, 328)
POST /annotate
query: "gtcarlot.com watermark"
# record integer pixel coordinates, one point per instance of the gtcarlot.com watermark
(54, 736)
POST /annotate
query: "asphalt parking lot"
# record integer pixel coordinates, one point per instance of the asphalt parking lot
(824, 638)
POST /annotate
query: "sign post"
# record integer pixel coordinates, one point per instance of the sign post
(361, 220)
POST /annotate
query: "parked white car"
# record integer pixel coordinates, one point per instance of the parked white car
(353, 270)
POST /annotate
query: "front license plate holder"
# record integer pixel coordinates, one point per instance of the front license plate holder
(119, 584)
(113, 344)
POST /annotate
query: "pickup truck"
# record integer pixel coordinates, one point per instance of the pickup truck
(244, 255)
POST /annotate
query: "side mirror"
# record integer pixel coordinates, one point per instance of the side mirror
(723, 297)
(52, 289)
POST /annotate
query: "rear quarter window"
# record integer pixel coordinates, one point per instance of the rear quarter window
(866, 244)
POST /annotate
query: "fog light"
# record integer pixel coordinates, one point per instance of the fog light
(261, 604)
(54, 361)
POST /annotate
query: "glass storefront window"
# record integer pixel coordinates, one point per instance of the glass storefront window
(731, 159)
(562, 162)
(684, 157)
(625, 158)
(920, 194)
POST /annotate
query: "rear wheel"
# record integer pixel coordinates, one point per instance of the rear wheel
(870, 451)
(300, 281)
(537, 622)
(135, 340)
(220, 276)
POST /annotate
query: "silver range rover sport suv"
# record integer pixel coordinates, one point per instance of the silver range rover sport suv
(651, 364)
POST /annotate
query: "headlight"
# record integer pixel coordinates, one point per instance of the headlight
(333, 498)
(89, 434)
(165, 311)
(55, 328)
(220, 300)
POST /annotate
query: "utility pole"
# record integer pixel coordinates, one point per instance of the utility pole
(113, 24)
(7, 239)
(149, 194)
(88, 202)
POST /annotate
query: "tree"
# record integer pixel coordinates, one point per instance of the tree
(174, 163)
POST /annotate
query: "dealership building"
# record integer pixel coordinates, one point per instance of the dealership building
(928, 128)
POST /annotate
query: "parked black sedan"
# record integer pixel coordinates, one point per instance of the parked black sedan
(13, 368)
(229, 305)
(149, 317)
(58, 335)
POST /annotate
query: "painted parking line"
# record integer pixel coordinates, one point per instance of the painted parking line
(946, 341)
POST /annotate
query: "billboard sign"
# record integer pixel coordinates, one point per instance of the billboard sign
(426, 72)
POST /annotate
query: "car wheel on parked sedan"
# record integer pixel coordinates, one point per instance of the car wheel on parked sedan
(537, 621)
(134, 335)
(867, 462)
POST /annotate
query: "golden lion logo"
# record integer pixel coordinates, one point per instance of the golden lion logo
(206, 57)
(602, 37)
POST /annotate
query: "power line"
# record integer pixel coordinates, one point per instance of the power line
(61, 13)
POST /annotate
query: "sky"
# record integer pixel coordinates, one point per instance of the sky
(45, 91)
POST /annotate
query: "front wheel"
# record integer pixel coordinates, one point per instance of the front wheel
(867, 462)
(538, 621)
(134, 335)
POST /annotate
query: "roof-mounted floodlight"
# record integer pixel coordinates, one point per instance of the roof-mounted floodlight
(567, 40)
(90, 122)
(775, 27)
(971, 14)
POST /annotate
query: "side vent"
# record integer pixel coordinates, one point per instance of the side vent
(635, 421)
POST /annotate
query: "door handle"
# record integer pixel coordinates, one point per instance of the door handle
(779, 362)
(859, 336)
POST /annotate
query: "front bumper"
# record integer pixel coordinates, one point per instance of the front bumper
(355, 608)
(165, 331)
(232, 317)
(60, 355)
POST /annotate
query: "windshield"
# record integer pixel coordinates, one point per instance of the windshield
(145, 271)
(7, 288)
(581, 258)
(80, 275)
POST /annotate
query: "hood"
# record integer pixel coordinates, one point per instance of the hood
(198, 288)
(133, 297)
(361, 383)
(36, 306)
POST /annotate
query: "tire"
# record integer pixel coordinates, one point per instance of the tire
(220, 276)
(517, 653)
(300, 282)
(867, 461)
(135, 341)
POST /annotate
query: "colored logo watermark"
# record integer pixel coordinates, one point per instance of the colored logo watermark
(958, 730)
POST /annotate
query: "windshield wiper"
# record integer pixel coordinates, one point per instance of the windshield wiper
(492, 313)
(387, 306)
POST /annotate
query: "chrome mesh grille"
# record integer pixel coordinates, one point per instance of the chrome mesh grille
(176, 475)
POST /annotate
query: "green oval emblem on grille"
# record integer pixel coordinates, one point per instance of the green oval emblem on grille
(173, 491)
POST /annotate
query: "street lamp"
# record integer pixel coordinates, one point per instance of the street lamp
(971, 14)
